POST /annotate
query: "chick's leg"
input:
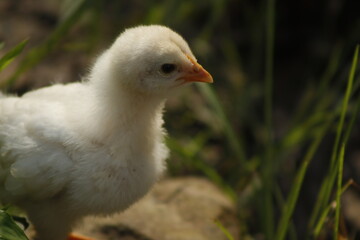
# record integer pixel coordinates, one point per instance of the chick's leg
(50, 230)
(49, 220)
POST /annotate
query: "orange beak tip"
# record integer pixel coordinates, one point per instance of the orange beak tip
(198, 73)
(211, 80)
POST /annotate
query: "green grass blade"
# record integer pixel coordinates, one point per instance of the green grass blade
(345, 106)
(315, 215)
(330, 179)
(291, 201)
(224, 230)
(235, 142)
(10, 55)
(9, 230)
(338, 192)
(328, 183)
(281, 202)
(326, 212)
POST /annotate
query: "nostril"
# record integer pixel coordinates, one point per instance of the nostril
(196, 69)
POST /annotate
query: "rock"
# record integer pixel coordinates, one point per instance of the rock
(351, 208)
(176, 209)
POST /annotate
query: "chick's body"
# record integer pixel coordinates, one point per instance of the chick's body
(95, 147)
(52, 159)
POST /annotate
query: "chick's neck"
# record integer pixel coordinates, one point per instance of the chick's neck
(121, 109)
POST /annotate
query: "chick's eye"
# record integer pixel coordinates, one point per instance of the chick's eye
(168, 68)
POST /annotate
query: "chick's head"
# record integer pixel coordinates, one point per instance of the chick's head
(154, 59)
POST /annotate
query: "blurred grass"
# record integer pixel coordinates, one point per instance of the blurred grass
(236, 139)
(11, 54)
(235, 142)
(266, 205)
(224, 230)
(38, 53)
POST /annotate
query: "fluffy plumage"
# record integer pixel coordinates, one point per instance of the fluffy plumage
(95, 147)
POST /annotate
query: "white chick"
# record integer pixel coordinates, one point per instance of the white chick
(94, 147)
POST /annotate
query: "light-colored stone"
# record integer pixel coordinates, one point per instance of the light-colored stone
(176, 209)
(351, 207)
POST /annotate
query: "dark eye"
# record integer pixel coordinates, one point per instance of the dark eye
(168, 68)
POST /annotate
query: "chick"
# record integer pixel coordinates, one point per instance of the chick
(97, 146)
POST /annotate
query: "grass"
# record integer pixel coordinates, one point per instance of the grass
(224, 230)
(338, 191)
(253, 154)
(289, 206)
(328, 182)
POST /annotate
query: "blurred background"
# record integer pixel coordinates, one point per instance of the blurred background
(269, 130)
